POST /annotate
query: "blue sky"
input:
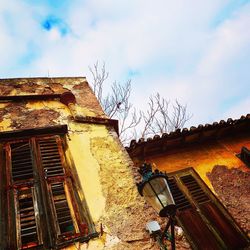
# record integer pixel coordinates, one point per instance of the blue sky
(195, 51)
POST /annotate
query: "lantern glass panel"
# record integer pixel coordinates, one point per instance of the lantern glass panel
(156, 191)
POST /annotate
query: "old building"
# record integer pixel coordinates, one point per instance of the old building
(209, 176)
(65, 180)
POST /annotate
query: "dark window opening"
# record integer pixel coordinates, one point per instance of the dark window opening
(245, 155)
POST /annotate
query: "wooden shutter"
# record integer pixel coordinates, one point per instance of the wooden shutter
(27, 218)
(225, 228)
(194, 189)
(61, 208)
(21, 161)
(207, 223)
(61, 198)
(232, 237)
(181, 201)
(51, 158)
(22, 193)
(190, 220)
(196, 230)
(42, 202)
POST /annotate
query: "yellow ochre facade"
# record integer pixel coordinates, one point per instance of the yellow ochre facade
(204, 157)
(100, 163)
(215, 154)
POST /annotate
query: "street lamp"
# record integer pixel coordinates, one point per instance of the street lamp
(154, 187)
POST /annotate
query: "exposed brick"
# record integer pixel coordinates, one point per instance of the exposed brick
(233, 188)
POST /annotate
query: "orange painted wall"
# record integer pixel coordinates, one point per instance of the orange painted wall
(203, 157)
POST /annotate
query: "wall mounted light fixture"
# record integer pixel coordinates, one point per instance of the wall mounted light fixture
(154, 187)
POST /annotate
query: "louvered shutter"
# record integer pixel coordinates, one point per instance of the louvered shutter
(23, 189)
(59, 185)
(21, 161)
(206, 226)
(27, 218)
(51, 159)
(194, 189)
(44, 210)
(181, 201)
(61, 206)
(229, 234)
(190, 220)
(231, 237)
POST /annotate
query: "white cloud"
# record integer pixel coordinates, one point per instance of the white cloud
(172, 44)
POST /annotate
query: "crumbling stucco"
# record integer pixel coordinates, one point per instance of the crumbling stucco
(123, 203)
(233, 189)
(23, 118)
(102, 165)
(77, 85)
(84, 99)
(104, 169)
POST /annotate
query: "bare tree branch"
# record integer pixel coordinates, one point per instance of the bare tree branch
(159, 118)
(156, 120)
(148, 117)
(179, 116)
(99, 76)
(116, 103)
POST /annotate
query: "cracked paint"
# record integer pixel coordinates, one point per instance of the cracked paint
(102, 165)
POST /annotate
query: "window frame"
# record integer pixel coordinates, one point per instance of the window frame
(79, 208)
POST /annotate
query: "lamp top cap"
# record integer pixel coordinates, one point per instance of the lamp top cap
(145, 169)
(146, 172)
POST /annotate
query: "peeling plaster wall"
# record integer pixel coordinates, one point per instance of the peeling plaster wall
(103, 167)
(217, 164)
(109, 190)
(104, 170)
(85, 98)
(203, 157)
(233, 189)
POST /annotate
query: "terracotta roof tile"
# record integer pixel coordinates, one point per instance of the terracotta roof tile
(207, 131)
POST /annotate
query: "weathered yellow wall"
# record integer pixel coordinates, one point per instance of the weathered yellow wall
(103, 167)
(203, 157)
(88, 172)
(217, 164)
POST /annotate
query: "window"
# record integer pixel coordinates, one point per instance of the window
(245, 156)
(41, 208)
(205, 221)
